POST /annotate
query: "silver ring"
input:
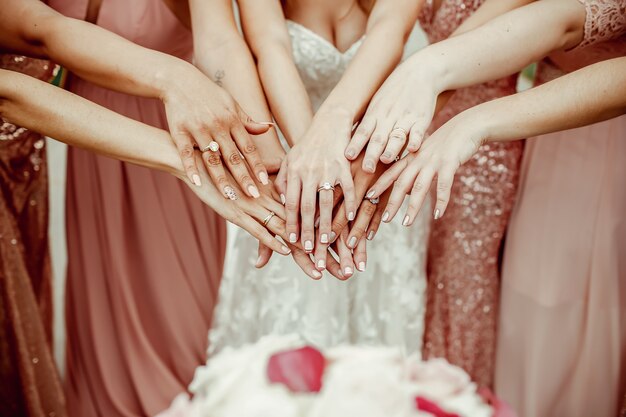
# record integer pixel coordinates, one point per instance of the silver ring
(404, 133)
(267, 218)
(396, 159)
(213, 146)
(326, 187)
(374, 200)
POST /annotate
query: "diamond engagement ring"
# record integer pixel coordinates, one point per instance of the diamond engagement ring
(374, 200)
(326, 187)
(267, 218)
(213, 146)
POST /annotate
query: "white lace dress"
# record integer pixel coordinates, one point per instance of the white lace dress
(383, 305)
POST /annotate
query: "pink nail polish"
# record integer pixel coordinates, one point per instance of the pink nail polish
(254, 192)
(282, 199)
(316, 273)
(196, 180)
(437, 214)
(361, 266)
(264, 178)
(406, 220)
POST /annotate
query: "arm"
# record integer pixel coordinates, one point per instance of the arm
(222, 54)
(266, 33)
(195, 107)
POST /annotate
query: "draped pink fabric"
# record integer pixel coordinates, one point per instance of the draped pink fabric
(145, 255)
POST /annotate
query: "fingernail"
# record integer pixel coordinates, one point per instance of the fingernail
(386, 216)
(352, 242)
(286, 250)
(387, 155)
(361, 266)
(370, 194)
(264, 178)
(370, 236)
(230, 192)
(196, 180)
(321, 264)
(258, 262)
(283, 199)
(308, 245)
(267, 123)
(405, 222)
(293, 238)
(347, 270)
(324, 238)
(369, 166)
(254, 192)
(340, 272)
(351, 216)
(350, 153)
(333, 235)
(316, 273)
(437, 214)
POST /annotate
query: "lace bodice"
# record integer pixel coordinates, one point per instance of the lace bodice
(605, 21)
(319, 62)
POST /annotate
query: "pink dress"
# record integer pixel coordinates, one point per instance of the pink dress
(463, 255)
(561, 348)
(145, 255)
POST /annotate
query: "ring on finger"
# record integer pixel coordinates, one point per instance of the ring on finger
(374, 200)
(326, 187)
(267, 218)
(399, 132)
(213, 146)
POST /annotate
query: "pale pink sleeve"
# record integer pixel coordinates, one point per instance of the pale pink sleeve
(605, 20)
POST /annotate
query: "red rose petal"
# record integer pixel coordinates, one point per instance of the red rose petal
(428, 406)
(300, 370)
(500, 408)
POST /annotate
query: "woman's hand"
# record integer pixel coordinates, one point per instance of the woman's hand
(201, 113)
(400, 111)
(314, 163)
(440, 156)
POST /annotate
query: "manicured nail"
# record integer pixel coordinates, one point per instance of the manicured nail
(230, 192)
(321, 264)
(405, 222)
(340, 272)
(385, 216)
(267, 123)
(264, 178)
(333, 235)
(254, 192)
(324, 238)
(387, 155)
(347, 270)
(370, 194)
(352, 242)
(370, 235)
(308, 246)
(293, 238)
(437, 214)
(351, 216)
(286, 250)
(350, 153)
(196, 180)
(283, 199)
(369, 166)
(316, 273)
(258, 262)
(361, 266)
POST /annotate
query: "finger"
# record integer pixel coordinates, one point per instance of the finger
(265, 254)
(387, 179)
(237, 167)
(332, 265)
(280, 182)
(263, 235)
(340, 222)
(345, 257)
(418, 194)
(349, 194)
(250, 152)
(360, 225)
(377, 144)
(360, 138)
(213, 163)
(360, 255)
(304, 262)
(252, 127)
(377, 217)
(417, 135)
(401, 188)
(321, 252)
(292, 207)
(423, 121)
(397, 139)
(445, 179)
(184, 144)
(307, 213)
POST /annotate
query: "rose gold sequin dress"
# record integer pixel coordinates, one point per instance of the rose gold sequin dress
(464, 247)
(562, 337)
(29, 382)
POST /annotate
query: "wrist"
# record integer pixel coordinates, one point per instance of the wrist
(168, 79)
(432, 68)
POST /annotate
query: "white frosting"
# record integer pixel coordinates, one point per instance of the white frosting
(358, 381)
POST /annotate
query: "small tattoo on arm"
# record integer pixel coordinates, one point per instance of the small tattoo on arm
(218, 77)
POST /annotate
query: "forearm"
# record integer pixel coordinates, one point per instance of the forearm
(69, 118)
(532, 32)
(589, 95)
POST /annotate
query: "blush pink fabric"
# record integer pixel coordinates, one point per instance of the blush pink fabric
(561, 348)
(145, 255)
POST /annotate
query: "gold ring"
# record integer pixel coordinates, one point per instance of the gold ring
(267, 218)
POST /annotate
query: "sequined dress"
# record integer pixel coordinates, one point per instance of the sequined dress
(561, 348)
(29, 381)
(383, 305)
(463, 255)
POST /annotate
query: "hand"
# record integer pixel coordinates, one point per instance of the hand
(401, 110)
(318, 158)
(199, 112)
(440, 156)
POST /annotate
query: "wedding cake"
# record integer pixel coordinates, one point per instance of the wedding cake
(283, 377)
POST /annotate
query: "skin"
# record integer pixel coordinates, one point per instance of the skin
(198, 111)
(589, 95)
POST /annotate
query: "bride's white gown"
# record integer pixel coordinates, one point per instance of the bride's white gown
(383, 305)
